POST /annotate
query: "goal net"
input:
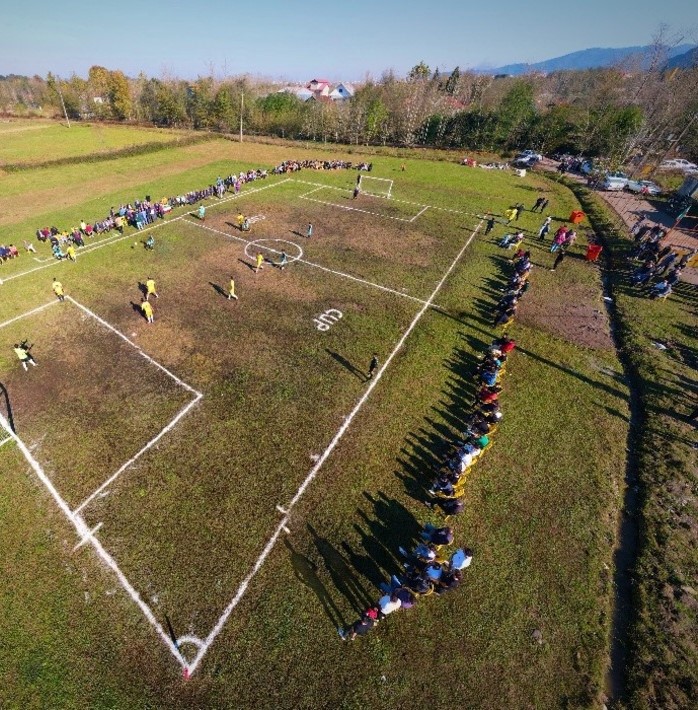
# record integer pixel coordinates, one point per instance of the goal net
(380, 187)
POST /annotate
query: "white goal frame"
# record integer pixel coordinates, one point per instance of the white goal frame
(377, 194)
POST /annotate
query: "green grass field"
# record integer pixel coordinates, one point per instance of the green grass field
(190, 518)
(29, 142)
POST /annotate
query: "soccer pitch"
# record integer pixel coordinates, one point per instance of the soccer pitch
(199, 434)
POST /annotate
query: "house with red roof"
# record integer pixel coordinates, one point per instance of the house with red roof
(319, 86)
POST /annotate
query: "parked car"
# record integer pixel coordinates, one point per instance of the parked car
(529, 154)
(645, 187)
(614, 181)
(528, 161)
(685, 166)
(586, 167)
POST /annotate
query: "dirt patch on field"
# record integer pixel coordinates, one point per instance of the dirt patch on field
(577, 315)
(347, 229)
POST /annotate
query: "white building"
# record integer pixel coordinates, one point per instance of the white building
(342, 92)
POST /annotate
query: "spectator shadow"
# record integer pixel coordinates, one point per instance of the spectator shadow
(306, 572)
(346, 364)
(343, 576)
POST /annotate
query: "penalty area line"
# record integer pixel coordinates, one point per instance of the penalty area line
(84, 532)
(140, 351)
(283, 525)
(182, 412)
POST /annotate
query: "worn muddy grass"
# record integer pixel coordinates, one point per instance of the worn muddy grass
(540, 506)
(92, 401)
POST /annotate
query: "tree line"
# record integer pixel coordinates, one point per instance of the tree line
(618, 113)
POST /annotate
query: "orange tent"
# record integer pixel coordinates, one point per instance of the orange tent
(576, 216)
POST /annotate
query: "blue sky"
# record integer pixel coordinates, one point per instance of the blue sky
(302, 39)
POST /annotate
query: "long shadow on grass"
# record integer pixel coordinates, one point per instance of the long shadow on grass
(346, 364)
(426, 448)
(344, 577)
(306, 572)
(218, 289)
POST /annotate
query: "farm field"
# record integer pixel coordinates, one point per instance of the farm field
(38, 141)
(269, 511)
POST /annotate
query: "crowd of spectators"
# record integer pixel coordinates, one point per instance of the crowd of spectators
(660, 267)
(292, 166)
(140, 213)
(429, 567)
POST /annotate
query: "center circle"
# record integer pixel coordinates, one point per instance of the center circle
(262, 245)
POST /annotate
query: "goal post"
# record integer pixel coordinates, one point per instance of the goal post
(380, 187)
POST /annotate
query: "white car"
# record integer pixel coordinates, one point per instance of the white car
(614, 181)
(685, 166)
(644, 187)
(526, 154)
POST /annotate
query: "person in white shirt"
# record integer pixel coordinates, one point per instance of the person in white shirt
(388, 604)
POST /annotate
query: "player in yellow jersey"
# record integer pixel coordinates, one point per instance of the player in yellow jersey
(147, 311)
(231, 290)
(57, 287)
(260, 262)
(22, 352)
(150, 288)
(70, 251)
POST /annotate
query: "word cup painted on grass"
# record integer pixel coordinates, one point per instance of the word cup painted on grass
(327, 319)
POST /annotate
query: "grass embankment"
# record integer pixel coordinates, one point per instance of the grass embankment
(663, 657)
(540, 506)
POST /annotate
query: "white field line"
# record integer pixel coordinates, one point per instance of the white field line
(4, 441)
(94, 247)
(114, 240)
(421, 212)
(84, 532)
(29, 313)
(362, 281)
(218, 231)
(88, 537)
(181, 383)
(206, 643)
(197, 396)
(182, 412)
(353, 209)
(316, 468)
(310, 263)
(385, 197)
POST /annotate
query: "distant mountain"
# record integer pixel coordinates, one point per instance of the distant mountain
(594, 58)
(684, 61)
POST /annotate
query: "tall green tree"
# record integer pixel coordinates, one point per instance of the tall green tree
(515, 112)
(451, 85)
(419, 72)
(119, 93)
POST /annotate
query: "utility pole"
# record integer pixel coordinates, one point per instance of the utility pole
(242, 108)
(60, 93)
